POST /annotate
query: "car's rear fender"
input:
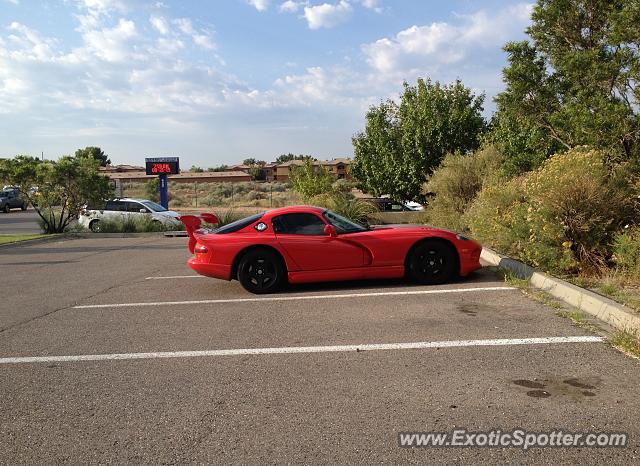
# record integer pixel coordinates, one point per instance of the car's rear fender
(242, 252)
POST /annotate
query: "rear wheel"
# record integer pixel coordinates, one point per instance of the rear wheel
(94, 226)
(24, 206)
(432, 262)
(261, 271)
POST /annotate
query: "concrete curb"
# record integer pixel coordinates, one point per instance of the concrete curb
(605, 309)
(116, 235)
(29, 242)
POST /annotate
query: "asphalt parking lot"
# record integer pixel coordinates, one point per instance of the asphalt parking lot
(112, 351)
(18, 222)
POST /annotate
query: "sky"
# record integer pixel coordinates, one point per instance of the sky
(217, 81)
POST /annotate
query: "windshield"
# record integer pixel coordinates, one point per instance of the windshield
(153, 206)
(342, 224)
(4, 194)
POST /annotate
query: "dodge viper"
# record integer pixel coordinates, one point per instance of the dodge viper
(304, 244)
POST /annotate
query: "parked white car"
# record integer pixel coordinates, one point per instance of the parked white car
(121, 209)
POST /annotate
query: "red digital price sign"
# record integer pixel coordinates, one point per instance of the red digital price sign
(162, 165)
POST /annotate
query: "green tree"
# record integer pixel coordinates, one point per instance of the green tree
(256, 169)
(576, 82)
(310, 180)
(94, 153)
(523, 145)
(196, 169)
(64, 187)
(403, 143)
(152, 189)
(219, 168)
(283, 158)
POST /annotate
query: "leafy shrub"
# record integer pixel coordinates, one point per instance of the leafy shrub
(626, 252)
(228, 216)
(497, 217)
(561, 217)
(143, 224)
(354, 209)
(456, 183)
(152, 189)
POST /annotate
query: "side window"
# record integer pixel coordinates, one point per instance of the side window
(116, 206)
(134, 207)
(298, 224)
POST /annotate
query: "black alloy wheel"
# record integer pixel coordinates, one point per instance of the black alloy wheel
(261, 271)
(432, 262)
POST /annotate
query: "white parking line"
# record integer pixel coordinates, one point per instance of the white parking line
(305, 349)
(175, 277)
(298, 298)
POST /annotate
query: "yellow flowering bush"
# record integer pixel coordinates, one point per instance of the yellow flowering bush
(456, 182)
(574, 204)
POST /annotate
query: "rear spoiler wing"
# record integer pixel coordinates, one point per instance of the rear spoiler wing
(193, 222)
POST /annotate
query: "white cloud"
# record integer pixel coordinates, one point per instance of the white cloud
(185, 25)
(160, 24)
(112, 44)
(439, 44)
(290, 6)
(100, 7)
(375, 5)
(15, 2)
(116, 68)
(204, 41)
(260, 5)
(29, 43)
(328, 86)
(200, 37)
(327, 15)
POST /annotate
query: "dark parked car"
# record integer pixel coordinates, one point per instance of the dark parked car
(10, 199)
(385, 204)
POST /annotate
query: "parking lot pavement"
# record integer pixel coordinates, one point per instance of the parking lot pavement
(187, 369)
(18, 222)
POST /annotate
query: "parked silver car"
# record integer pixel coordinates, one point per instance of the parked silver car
(127, 208)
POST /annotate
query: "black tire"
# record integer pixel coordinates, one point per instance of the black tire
(432, 263)
(24, 206)
(261, 271)
(94, 226)
(6, 209)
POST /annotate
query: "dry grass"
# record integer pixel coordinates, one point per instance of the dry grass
(221, 195)
(627, 343)
(620, 287)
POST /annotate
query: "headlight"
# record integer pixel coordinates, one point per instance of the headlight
(462, 237)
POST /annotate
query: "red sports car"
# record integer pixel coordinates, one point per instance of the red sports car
(304, 244)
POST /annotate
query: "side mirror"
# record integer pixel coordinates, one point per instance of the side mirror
(330, 230)
(143, 211)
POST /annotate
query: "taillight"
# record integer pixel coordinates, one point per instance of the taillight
(201, 249)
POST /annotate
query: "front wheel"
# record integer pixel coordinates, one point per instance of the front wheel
(261, 271)
(24, 206)
(94, 226)
(6, 209)
(431, 263)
